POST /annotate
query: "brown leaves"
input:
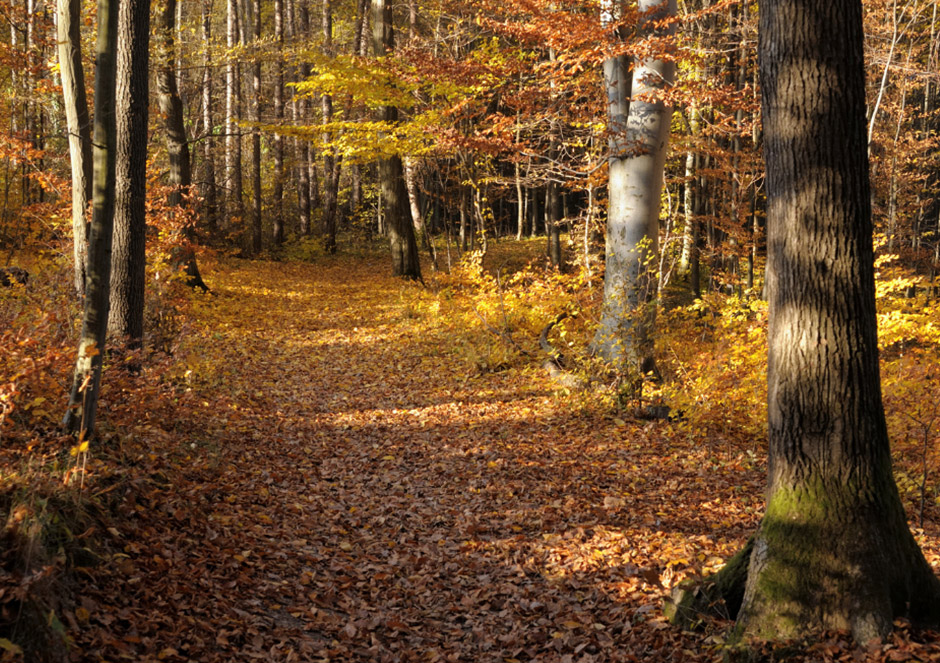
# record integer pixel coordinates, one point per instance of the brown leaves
(328, 487)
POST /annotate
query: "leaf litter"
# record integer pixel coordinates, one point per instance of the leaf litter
(322, 482)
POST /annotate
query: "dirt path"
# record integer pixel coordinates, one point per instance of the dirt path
(335, 486)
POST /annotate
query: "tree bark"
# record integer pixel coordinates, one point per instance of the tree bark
(79, 129)
(401, 232)
(256, 229)
(233, 143)
(553, 215)
(300, 107)
(277, 194)
(638, 144)
(126, 320)
(86, 383)
(330, 178)
(833, 550)
(208, 121)
(177, 145)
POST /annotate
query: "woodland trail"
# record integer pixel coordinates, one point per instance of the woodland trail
(335, 485)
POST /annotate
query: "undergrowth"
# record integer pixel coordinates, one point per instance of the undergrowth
(49, 510)
(712, 352)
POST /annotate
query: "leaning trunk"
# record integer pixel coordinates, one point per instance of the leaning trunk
(86, 383)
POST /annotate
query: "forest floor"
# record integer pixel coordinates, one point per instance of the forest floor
(329, 484)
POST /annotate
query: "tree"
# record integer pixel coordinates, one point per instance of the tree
(233, 139)
(86, 380)
(256, 138)
(171, 107)
(278, 193)
(391, 173)
(126, 320)
(637, 157)
(208, 158)
(833, 550)
(68, 21)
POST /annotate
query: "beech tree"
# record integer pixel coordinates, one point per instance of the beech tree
(833, 550)
(638, 140)
(68, 22)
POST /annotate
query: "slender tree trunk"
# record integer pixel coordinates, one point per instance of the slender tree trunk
(256, 225)
(301, 107)
(233, 144)
(553, 224)
(391, 174)
(414, 203)
(278, 189)
(177, 145)
(126, 320)
(208, 153)
(86, 383)
(330, 183)
(637, 157)
(79, 127)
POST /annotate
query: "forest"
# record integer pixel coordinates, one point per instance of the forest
(459, 330)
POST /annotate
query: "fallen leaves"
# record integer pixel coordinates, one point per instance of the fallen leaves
(323, 485)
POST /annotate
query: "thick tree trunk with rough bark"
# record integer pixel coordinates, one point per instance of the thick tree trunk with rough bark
(126, 320)
(86, 382)
(68, 24)
(637, 156)
(833, 550)
(391, 173)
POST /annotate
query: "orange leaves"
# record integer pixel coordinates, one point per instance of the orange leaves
(319, 478)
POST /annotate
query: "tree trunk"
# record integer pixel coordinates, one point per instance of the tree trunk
(833, 550)
(208, 156)
(637, 157)
(256, 233)
(277, 194)
(391, 174)
(300, 107)
(233, 144)
(86, 383)
(126, 321)
(553, 225)
(330, 183)
(79, 128)
(177, 145)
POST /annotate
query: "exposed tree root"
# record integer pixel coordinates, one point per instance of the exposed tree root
(719, 595)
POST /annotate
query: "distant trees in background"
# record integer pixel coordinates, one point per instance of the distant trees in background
(283, 129)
